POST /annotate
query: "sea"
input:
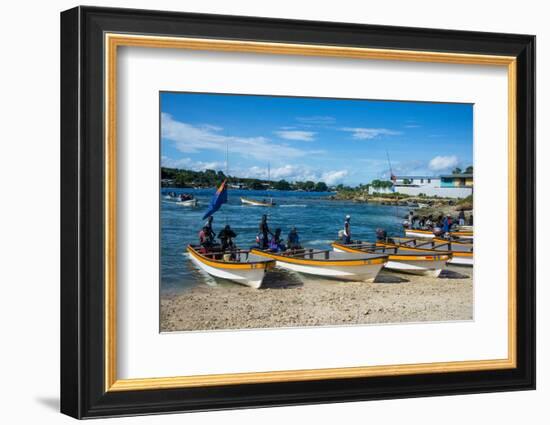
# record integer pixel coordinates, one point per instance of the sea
(316, 217)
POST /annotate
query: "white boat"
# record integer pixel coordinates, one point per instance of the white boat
(256, 203)
(246, 268)
(429, 234)
(187, 203)
(329, 264)
(422, 263)
(463, 252)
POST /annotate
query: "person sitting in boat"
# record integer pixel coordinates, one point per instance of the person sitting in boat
(276, 244)
(381, 234)
(293, 240)
(226, 238)
(206, 239)
(347, 230)
(264, 233)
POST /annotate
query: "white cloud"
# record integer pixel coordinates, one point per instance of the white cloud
(189, 164)
(190, 138)
(306, 136)
(369, 133)
(334, 177)
(440, 163)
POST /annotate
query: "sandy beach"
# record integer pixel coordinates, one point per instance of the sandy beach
(293, 300)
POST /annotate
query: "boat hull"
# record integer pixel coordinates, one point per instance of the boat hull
(422, 268)
(416, 234)
(251, 275)
(188, 203)
(412, 233)
(462, 261)
(365, 272)
(430, 267)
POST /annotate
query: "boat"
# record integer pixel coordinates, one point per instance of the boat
(263, 202)
(256, 203)
(421, 233)
(462, 252)
(245, 268)
(329, 264)
(188, 203)
(424, 263)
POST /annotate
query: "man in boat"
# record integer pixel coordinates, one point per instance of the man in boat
(206, 239)
(276, 244)
(226, 238)
(347, 230)
(381, 234)
(264, 232)
(461, 218)
(208, 224)
(293, 240)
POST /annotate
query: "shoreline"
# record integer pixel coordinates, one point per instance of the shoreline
(292, 300)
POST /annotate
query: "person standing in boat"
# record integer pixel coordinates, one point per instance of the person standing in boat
(461, 218)
(293, 240)
(264, 232)
(211, 232)
(226, 238)
(347, 230)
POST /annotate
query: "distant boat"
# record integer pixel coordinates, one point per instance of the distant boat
(264, 203)
(245, 268)
(419, 262)
(329, 264)
(184, 199)
(188, 203)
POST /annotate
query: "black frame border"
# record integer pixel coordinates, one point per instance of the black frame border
(82, 207)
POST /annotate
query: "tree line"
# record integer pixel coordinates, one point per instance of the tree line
(173, 177)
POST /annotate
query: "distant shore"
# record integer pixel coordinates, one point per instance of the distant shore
(292, 300)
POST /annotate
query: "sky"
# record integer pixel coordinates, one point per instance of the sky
(332, 140)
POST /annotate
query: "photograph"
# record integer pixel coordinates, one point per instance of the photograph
(281, 212)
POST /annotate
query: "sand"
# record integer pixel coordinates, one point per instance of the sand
(292, 300)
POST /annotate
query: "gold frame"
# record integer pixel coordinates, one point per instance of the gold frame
(113, 41)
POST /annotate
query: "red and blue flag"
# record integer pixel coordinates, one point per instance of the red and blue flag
(219, 198)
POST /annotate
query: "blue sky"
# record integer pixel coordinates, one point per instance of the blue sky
(320, 139)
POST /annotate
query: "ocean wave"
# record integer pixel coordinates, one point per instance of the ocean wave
(293, 205)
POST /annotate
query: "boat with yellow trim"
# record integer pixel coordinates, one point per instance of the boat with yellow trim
(401, 260)
(239, 266)
(421, 233)
(463, 252)
(329, 264)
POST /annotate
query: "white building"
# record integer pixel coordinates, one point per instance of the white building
(447, 186)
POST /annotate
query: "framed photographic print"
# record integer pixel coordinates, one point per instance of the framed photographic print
(261, 212)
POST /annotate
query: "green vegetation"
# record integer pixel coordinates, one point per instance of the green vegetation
(172, 177)
(381, 184)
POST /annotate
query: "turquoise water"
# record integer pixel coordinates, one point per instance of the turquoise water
(317, 219)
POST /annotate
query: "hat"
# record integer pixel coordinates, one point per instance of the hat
(348, 217)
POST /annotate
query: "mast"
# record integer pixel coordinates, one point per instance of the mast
(392, 178)
(268, 181)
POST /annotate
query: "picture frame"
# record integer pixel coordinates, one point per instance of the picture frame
(90, 39)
